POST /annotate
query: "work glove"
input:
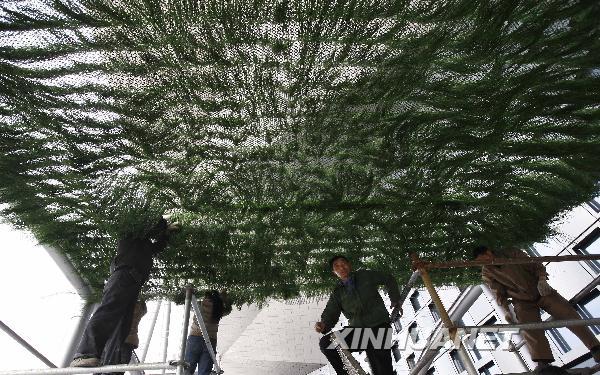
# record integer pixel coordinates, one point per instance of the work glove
(544, 288)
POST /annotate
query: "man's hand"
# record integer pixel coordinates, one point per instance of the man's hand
(320, 327)
(544, 288)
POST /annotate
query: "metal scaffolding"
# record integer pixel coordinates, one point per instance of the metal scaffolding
(422, 266)
(90, 370)
(26, 345)
(179, 365)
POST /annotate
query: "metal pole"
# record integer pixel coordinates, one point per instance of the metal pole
(421, 264)
(135, 360)
(147, 343)
(26, 345)
(541, 325)
(350, 363)
(89, 370)
(456, 311)
(184, 330)
(86, 313)
(200, 321)
(445, 318)
(405, 291)
(167, 323)
(84, 291)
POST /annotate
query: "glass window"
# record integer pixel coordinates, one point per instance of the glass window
(397, 325)
(590, 245)
(489, 368)
(431, 371)
(458, 363)
(414, 300)
(413, 331)
(559, 340)
(410, 360)
(396, 352)
(434, 312)
(532, 251)
(589, 306)
(476, 352)
(492, 338)
(595, 204)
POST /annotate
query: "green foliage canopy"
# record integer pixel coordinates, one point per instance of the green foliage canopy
(281, 132)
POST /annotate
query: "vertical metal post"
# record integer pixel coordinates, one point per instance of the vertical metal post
(26, 345)
(184, 330)
(166, 342)
(445, 318)
(147, 343)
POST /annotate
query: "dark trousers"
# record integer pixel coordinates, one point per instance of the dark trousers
(118, 300)
(380, 360)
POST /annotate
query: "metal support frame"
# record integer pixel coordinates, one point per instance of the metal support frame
(422, 266)
(166, 341)
(350, 363)
(456, 311)
(89, 370)
(184, 330)
(464, 356)
(540, 325)
(200, 321)
(179, 364)
(82, 289)
(26, 345)
(151, 332)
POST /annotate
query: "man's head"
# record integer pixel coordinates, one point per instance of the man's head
(482, 252)
(340, 266)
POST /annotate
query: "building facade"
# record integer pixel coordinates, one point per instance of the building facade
(503, 352)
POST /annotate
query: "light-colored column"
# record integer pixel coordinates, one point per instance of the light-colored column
(166, 340)
(150, 333)
(184, 329)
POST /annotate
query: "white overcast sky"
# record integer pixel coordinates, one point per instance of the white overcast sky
(38, 302)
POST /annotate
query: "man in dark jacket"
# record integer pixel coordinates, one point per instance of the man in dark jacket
(357, 296)
(130, 269)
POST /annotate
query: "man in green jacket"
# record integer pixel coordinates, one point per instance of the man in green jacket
(357, 296)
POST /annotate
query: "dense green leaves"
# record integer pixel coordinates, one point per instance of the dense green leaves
(281, 132)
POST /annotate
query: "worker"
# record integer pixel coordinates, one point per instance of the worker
(130, 269)
(527, 288)
(357, 296)
(120, 352)
(214, 306)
